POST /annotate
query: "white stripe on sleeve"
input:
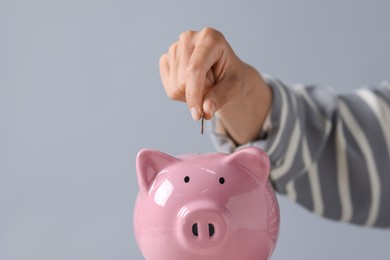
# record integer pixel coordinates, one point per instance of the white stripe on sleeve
(283, 118)
(363, 143)
(291, 153)
(318, 205)
(343, 175)
(380, 109)
(290, 190)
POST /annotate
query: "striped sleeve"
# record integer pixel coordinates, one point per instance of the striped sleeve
(329, 153)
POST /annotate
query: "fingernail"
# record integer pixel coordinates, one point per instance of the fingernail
(213, 107)
(195, 114)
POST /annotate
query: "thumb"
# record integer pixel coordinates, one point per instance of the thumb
(218, 96)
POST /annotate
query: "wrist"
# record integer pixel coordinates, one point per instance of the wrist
(243, 118)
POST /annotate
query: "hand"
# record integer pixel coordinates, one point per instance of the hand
(202, 70)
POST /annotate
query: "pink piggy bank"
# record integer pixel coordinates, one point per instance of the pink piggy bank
(205, 207)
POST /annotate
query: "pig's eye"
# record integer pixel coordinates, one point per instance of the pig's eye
(222, 180)
(186, 179)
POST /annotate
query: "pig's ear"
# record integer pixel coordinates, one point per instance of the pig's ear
(252, 159)
(149, 164)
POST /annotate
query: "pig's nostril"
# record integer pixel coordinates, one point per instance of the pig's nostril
(211, 230)
(195, 229)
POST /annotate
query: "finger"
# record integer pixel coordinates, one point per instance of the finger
(203, 58)
(172, 89)
(165, 74)
(220, 94)
(172, 59)
(185, 49)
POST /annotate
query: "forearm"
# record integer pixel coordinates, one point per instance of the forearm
(329, 153)
(242, 119)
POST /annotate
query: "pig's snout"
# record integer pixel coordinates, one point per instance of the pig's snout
(202, 226)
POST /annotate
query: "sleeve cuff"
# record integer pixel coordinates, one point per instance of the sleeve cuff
(224, 143)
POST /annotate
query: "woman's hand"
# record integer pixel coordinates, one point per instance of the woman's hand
(202, 70)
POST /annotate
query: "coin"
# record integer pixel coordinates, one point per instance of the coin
(202, 124)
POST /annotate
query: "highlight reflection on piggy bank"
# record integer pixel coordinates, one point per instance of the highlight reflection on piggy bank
(205, 207)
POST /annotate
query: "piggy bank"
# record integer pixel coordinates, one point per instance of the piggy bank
(205, 207)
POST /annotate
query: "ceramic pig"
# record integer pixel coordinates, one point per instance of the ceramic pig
(205, 207)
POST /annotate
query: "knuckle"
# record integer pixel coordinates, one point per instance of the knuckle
(209, 30)
(173, 93)
(173, 47)
(163, 60)
(170, 93)
(181, 88)
(181, 84)
(193, 68)
(212, 34)
(187, 35)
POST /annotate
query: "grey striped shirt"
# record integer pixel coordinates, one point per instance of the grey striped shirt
(330, 153)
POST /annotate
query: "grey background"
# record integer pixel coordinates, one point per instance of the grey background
(80, 95)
